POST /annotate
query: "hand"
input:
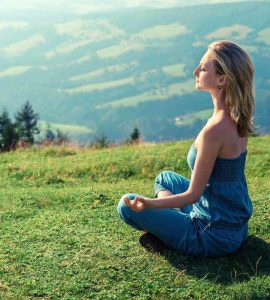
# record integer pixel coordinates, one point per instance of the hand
(138, 204)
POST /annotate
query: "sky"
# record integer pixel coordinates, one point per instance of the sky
(86, 6)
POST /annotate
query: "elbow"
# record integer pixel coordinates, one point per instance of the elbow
(194, 196)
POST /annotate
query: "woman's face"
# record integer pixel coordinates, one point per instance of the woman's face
(206, 77)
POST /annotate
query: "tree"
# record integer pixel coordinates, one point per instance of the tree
(8, 135)
(26, 122)
(49, 134)
(135, 136)
(61, 137)
(100, 141)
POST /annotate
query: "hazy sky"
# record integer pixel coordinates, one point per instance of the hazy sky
(85, 6)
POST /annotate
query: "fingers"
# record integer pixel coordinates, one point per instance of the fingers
(134, 205)
(127, 202)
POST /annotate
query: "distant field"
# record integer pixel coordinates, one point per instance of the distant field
(138, 41)
(23, 46)
(15, 71)
(69, 129)
(96, 30)
(162, 94)
(161, 32)
(176, 70)
(13, 24)
(122, 48)
(67, 48)
(100, 72)
(264, 36)
(100, 86)
(190, 118)
(237, 32)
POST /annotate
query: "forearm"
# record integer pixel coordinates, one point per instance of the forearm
(172, 201)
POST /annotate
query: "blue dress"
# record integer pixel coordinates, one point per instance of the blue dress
(217, 224)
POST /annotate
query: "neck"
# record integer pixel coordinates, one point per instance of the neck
(218, 102)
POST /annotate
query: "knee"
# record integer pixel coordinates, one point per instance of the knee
(163, 177)
(165, 174)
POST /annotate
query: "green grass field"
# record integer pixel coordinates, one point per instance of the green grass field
(61, 237)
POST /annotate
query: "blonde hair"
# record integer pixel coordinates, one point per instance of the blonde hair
(235, 63)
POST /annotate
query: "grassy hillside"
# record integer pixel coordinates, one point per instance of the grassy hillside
(61, 236)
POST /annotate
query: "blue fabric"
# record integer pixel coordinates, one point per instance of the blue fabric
(215, 225)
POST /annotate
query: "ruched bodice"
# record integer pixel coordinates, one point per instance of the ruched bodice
(225, 201)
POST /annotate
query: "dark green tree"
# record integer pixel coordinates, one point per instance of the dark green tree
(49, 134)
(8, 134)
(135, 136)
(26, 122)
(100, 141)
(61, 137)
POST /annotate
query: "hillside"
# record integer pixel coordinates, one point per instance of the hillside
(61, 237)
(111, 71)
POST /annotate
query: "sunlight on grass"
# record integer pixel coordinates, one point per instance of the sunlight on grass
(122, 48)
(264, 36)
(61, 236)
(189, 119)
(18, 49)
(67, 48)
(13, 24)
(161, 32)
(177, 89)
(81, 59)
(236, 32)
(176, 70)
(95, 30)
(138, 41)
(100, 86)
(102, 71)
(84, 32)
(66, 128)
(15, 71)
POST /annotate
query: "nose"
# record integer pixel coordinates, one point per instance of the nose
(195, 72)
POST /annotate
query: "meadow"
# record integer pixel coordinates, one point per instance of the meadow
(61, 237)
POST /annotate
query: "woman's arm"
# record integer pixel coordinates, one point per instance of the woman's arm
(210, 143)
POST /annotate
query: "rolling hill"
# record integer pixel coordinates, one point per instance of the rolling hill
(111, 70)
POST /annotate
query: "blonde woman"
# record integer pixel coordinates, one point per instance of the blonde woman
(207, 215)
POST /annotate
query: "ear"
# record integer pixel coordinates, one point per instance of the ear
(222, 80)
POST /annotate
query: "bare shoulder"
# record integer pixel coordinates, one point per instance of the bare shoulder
(214, 131)
(215, 128)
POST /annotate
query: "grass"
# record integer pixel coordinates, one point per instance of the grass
(61, 237)
(100, 72)
(162, 32)
(120, 49)
(140, 40)
(13, 71)
(176, 70)
(66, 128)
(91, 87)
(263, 36)
(17, 25)
(236, 31)
(189, 119)
(161, 94)
(19, 48)
(67, 48)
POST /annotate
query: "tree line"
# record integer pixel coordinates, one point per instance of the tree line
(22, 131)
(24, 128)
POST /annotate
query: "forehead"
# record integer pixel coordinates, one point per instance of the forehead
(208, 58)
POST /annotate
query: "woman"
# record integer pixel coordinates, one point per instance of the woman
(213, 208)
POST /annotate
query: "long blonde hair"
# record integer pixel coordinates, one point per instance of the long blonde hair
(235, 63)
